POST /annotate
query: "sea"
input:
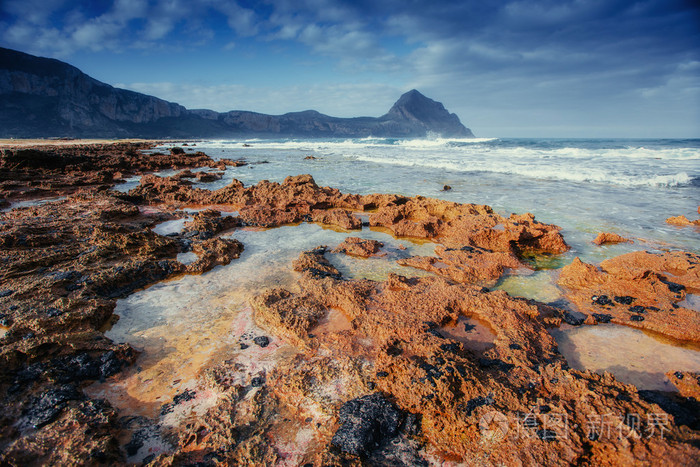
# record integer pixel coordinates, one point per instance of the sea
(629, 186)
(585, 186)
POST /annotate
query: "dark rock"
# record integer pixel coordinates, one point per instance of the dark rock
(244, 346)
(382, 374)
(495, 363)
(637, 309)
(477, 402)
(262, 341)
(685, 410)
(432, 372)
(184, 396)
(446, 188)
(574, 318)
(637, 318)
(49, 405)
(453, 347)
(53, 312)
(257, 381)
(6, 292)
(110, 364)
(673, 287)
(625, 300)
(602, 317)
(678, 374)
(366, 423)
(601, 300)
(516, 346)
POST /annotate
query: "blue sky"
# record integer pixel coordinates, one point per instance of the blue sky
(559, 68)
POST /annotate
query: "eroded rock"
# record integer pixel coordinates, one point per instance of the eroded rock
(639, 289)
(604, 238)
(358, 247)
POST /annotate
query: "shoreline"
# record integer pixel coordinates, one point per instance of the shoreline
(60, 142)
(100, 247)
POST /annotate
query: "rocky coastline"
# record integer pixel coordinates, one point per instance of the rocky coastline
(376, 372)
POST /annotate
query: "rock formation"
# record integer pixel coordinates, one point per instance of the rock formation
(42, 97)
(369, 372)
(640, 289)
(604, 238)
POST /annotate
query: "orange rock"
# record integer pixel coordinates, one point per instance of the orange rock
(339, 217)
(358, 247)
(210, 222)
(398, 343)
(466, 264)
(578, 274)
(214, 252)
(640, 290)
(607, 237)
(456, 225)
(688, 383)
(682, 221)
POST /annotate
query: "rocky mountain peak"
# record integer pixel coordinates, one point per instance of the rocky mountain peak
(415, 108)
(42, 97)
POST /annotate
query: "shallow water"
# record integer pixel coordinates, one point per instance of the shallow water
(175, 226)
(31, 203)
(633, 356)
(472, 333)
(535, 285)
(185, 325)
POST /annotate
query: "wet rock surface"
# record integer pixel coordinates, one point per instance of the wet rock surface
(367, 423)
(605, 238)
(63, 265)
(358, 247)
(454, 392)
(639, 289)
(466, 264)
(366, 372)
(27, 173)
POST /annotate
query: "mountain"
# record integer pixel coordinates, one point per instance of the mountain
(42, 97)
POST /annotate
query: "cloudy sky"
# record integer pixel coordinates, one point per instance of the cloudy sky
(560, 68)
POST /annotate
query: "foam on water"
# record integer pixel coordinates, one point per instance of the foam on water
(585, 186)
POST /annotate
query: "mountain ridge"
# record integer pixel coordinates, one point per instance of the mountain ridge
(44, 97)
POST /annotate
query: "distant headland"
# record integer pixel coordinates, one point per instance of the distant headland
(43, 97)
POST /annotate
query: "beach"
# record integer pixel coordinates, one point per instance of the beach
(327, 302)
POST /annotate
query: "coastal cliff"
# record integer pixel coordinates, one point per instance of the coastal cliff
(42, 97)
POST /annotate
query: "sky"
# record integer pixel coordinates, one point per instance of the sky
(518, 68)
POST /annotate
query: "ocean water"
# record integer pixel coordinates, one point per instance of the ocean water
(585, 186)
